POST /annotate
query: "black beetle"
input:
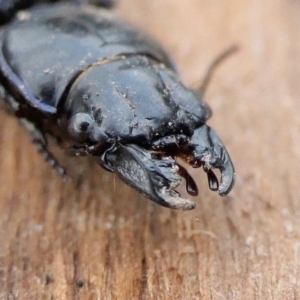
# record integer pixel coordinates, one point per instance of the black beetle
(101, 87)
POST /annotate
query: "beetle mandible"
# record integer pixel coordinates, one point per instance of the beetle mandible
(79, 74)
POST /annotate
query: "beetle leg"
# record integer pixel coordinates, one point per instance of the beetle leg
(40, 141)
(84, 149)
(37, 137)
(77, 151)
(8, 103)
(208, 150)
(154, 177)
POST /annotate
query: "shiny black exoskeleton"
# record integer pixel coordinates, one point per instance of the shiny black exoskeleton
(102, 88)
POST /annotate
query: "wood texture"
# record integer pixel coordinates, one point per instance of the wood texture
(95, 238)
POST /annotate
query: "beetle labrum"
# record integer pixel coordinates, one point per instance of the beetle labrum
(79, 74)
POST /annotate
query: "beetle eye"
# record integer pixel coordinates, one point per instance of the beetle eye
(80, 126)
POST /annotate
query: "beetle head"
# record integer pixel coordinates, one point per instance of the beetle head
(146, 118)
(133, 100)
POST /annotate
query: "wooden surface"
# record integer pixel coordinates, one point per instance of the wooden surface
(95, 238)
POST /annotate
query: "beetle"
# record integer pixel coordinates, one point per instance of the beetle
(103, 88)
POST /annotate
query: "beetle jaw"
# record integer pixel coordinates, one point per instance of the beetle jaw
(206, 149)
(174, 201)
(156, 175)
(154, 178)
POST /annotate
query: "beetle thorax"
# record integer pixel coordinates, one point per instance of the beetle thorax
(133, 99)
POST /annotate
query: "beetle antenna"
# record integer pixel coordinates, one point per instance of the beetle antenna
(212, 68)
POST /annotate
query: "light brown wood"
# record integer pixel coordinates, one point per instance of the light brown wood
(96, 238)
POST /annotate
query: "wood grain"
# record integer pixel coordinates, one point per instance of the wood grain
(95, 238)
